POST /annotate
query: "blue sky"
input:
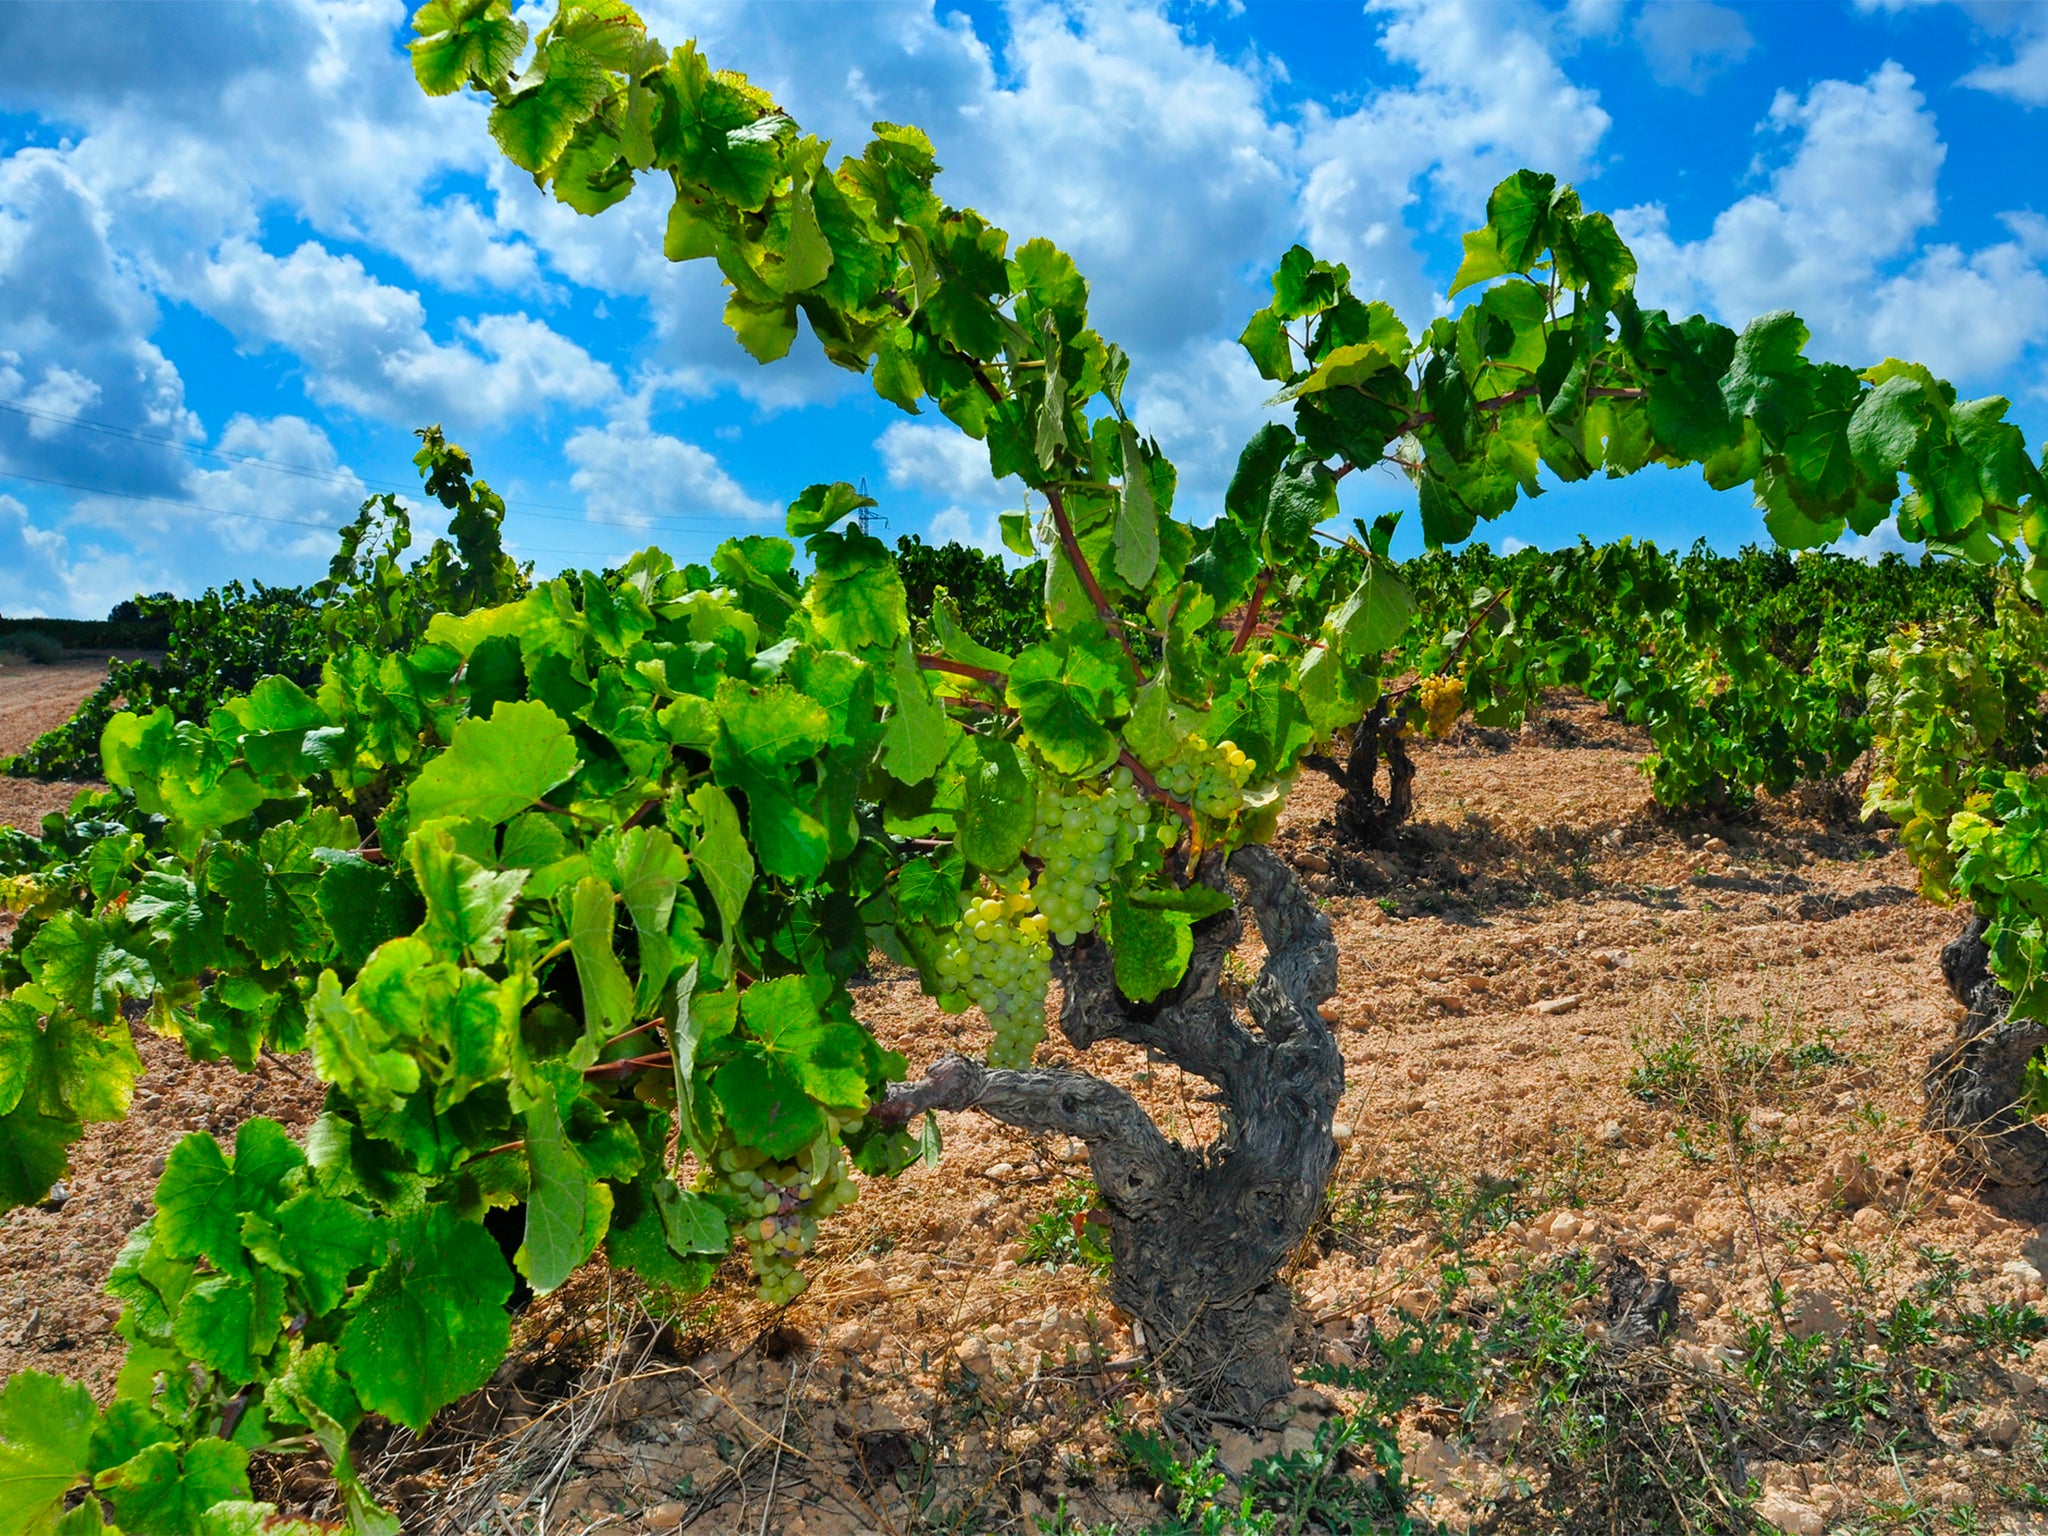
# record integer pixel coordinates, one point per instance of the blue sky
(241, 257)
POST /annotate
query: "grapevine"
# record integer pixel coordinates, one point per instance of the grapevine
(562, 884)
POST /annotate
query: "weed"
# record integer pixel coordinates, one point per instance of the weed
(1066, 1234)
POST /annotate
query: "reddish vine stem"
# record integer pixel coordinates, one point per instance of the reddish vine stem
(1151, 787)
(1089, 584)
(1251, 612)
(1068, 542)
(627, 1066)
(961, 669)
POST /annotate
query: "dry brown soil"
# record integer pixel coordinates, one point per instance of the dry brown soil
(35, 699)
(1537, 935)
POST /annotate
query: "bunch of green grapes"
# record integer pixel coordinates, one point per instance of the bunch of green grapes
(1442, 700)
(1080, 836)
(1211, 779)
(998, 956)
(781, 1204)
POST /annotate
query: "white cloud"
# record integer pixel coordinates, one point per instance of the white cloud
(365, 346)
(1688, 42)
(946, 466)
(1489, 97)
(2025, 79)
(628, 475)
(1836, 237)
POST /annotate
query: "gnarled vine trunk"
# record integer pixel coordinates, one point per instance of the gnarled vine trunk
(1365, 818)
(1198, 1234)
(1975, 1084)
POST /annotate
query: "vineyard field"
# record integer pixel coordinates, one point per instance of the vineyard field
(34, 699)
(936, 1354)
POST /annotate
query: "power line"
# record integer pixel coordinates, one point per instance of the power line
(539, 509)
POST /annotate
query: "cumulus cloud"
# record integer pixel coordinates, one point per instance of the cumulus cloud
(364, 343)
(945, 467)
(629, 475)
(1836, 236)
(1489, 95)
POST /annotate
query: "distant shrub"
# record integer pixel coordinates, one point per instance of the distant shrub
(32, 645)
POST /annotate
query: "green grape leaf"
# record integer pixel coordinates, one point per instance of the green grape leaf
(77, 960)
(560, 87)
(1342, 367)
(926, 893)
(170, 909)
(320, 1241)
(21, 1041)
(997, 806)
(607, 990)
(430, 1324)
(464, 39)
(1150, 947)
(92, 1068)
(1251, 485)
(467, 906)
(1137, 516)
(566, 1210)
(198, 1214)
(691, 1223)
(1064, 692)
(1376, 614)
(821, 506)
(46, 1430)
(227, 1324)
(855, 596)
(765, 1103)
(919, 734)
(496, 768)
(1264, 338)
(721, 854)
(272, 908)
(363, 904)
(164, 1489)
(34, 1148)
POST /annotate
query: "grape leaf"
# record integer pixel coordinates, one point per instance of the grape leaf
(721, 854)
(997, 806)
(765, 1103)
(919, 733)
(1150, 947)
(468, 905)
(607, 991)
(33, 1151)
(1137, 516)
(821, 506)
(169, 1490)
(46, 1429)
(1064, 692)
(566, 1210)
(430, 1323)
(1376, 614)
(496, 768)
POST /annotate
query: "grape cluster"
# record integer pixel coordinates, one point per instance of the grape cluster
(998, 956)
(1443, 700)
(1080, 837)
(781, 1205)
(1211, 779)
